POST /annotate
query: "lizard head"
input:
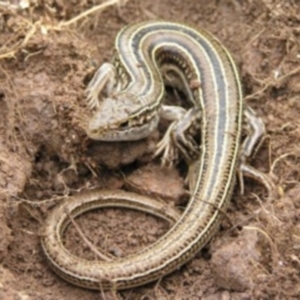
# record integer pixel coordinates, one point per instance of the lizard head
(122, 117)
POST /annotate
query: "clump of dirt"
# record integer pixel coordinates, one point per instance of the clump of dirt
(49, 51)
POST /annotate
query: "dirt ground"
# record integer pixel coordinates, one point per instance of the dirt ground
(46, 60)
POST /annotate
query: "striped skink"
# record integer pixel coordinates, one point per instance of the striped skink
(207, 134)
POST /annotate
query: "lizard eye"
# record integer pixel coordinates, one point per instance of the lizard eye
(94, 131)
(124, 124)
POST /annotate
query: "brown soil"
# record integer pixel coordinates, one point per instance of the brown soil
(46, 63)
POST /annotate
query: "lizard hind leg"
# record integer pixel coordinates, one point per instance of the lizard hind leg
(252, 142)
